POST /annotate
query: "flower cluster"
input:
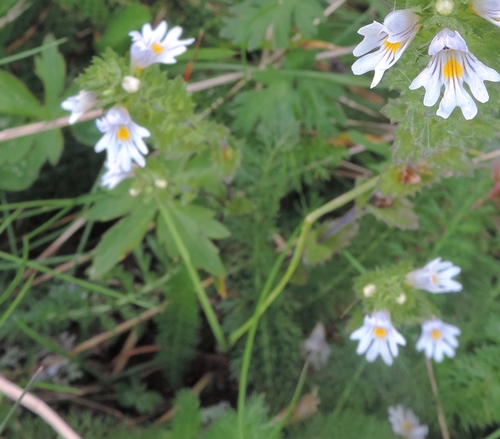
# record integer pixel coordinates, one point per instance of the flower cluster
(451, 62)
(123, 138)
(378, 336)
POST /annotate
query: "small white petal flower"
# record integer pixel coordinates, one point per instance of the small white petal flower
(488, 9)
(445, 7)
(114, 175)
(404, 423)
(315, 348)
(79, 104)
(157, 46)
(131, 84)
(122, 139)
(452, 64)
(435, 277)
(378, 334)
(438, 339)
(391, 38)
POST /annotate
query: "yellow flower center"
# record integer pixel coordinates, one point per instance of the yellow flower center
(391, 47)
(436, 334)
(434, 279)
(380, 332)
(452, 69)
(123, 134)
(157, 48)
(407, 426)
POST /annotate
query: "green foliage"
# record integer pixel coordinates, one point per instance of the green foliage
(349, 424)
(134, 394)
(187, 421)
(178, 326)
(255, 423)
(254, 18)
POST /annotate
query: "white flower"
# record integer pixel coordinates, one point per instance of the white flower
(153, 46)
(488, 9)
(438, 339)
(131, 84)
(315, 348)
(435, 277)
(114, 174)
(79, 104)
(452, 64)
(122, 139)
(392, 38)
(378, 332)
(404, 423)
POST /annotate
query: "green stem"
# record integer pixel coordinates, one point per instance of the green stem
(51, 204)
(16, 404)
(195, 279)
(306, 226)
(354, 262)
(298, 390)
(247, 354)
(10, 231)
(16, 301)
(348, 390)
(122, 298)
(19, 275)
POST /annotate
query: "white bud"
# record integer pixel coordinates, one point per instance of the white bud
(160, 183)
(401, 298)
(134, 192)
(369, 290)
(444, 7)
(131, 84)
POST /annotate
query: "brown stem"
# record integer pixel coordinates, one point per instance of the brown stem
(440, 413)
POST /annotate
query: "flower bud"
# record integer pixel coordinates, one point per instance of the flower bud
(134, 192)
(444, 7)
(401, 298)
(160, 183)
(131, 84)
(369, 290)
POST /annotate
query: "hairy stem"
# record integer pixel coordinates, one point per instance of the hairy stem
(306, 226)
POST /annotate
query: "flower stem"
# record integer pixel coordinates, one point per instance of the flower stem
(195, 279)
(347, 391)
(306, 226)
(298, 390)
(440, 413)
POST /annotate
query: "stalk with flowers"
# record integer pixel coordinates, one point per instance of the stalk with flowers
(256, 229)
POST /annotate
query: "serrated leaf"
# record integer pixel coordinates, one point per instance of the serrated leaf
(187, 421)
(51, 69)
(16, 98)
(51, 144)
(194, 224)
(254, 18)
(400, 214)
(121, 238)
(178, 326)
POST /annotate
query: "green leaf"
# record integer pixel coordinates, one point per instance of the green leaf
(209, 53)
(178, 326)
(322, 244)
(398, 214)
(16, 98)
(50, 143)
(121, 238)
(126, 20)
(117, 203)
(51, 69)
(187, 421)
(195, 226)
(255, 17)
